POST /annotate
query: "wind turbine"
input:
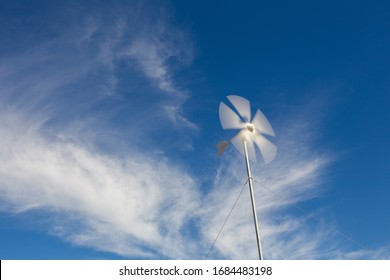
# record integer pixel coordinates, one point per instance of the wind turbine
(252, 133)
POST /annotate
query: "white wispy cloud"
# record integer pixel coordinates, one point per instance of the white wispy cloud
(153, 52)
(55, 111)
(136, 204)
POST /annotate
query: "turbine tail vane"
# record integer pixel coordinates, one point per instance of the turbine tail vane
(222, 147)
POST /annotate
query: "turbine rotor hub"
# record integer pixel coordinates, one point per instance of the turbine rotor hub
(250, 127)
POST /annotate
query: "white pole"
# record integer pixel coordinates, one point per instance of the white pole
(252, 200)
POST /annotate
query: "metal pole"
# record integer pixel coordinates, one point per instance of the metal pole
(253, 201)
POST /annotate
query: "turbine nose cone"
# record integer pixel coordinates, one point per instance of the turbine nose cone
(250, 127)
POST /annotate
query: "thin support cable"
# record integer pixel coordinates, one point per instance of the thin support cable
(317, 219)
(227, 218)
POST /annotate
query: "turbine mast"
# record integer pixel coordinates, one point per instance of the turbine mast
(251, 131)
(248, 170)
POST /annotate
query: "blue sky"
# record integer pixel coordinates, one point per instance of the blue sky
(109, 121)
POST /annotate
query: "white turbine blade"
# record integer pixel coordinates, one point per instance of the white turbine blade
(251, 149)
(229, 119)
(267, 148)
(242, 106)
(262, 124)
(237, 143)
